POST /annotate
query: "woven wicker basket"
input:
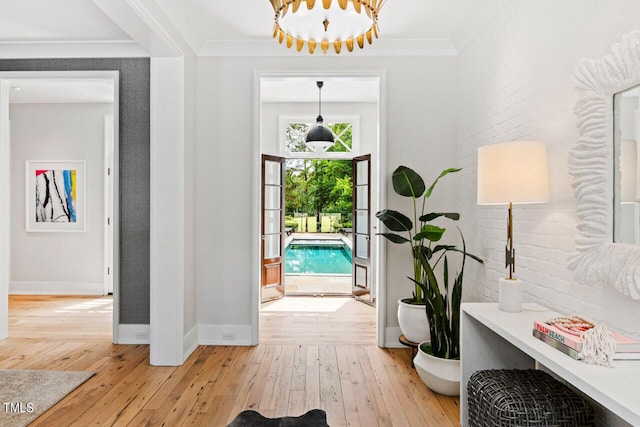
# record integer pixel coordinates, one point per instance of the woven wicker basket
(512, 397)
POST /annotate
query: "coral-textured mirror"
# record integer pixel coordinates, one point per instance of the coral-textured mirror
(598, 259)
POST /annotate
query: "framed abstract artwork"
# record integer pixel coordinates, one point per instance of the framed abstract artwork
(55, 195)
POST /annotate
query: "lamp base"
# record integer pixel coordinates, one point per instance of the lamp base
(510, 296)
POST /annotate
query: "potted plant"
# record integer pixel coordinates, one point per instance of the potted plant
(417, 231)
(438, 360)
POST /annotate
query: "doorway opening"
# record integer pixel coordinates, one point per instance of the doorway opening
(318, 220)
(76, 137)
(285, 105)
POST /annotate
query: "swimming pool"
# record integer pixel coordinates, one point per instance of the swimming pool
(318, 257)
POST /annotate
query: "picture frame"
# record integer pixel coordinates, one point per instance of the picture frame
(55, 196)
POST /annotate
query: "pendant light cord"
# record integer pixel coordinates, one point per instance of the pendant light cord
(319, 119)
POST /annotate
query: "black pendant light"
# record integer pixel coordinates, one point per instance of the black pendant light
(320, 137)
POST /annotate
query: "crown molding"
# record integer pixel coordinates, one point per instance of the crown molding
(145, 23)
(72, 49)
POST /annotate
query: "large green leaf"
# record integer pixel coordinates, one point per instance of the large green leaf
(433, 215)
(395, 238)
(394, 220)
(444, 173)
(439, 248)
(407, 182)
(430, 232)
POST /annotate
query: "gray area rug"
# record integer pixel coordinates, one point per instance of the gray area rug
(25, 395)
(313, 418)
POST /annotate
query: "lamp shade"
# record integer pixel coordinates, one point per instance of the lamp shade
(320, 135)
(513, 172)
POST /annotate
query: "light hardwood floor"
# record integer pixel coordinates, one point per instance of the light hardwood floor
(305, 360)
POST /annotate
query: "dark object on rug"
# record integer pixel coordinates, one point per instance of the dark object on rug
(313, 418)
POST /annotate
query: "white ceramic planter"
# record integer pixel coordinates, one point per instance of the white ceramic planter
(440, 375)
(413, 321)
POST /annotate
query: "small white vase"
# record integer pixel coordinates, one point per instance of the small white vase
(440, 375)
(413, 323)
(510, 295)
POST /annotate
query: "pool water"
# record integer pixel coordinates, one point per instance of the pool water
(318, 257)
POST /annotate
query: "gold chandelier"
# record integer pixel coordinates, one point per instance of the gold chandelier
(326, 23)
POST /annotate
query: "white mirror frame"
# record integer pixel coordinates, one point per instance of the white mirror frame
(597, 260)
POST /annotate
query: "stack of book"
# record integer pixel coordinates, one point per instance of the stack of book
(564, 334)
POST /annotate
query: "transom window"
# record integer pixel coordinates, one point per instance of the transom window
(345, 132)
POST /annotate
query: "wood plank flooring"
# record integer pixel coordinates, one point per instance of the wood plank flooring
(318, 361)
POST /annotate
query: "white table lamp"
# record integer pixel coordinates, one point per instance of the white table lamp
(508, 173)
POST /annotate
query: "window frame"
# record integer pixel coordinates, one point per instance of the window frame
(284, 120)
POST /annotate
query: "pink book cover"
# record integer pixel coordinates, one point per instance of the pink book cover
(572, 341)
(624, 344)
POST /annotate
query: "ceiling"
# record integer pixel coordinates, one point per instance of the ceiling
(203, 22)
(214, 28)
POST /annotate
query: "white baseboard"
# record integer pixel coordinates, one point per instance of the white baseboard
(391, 336)
(133, 334)
(224, 335)
(55, 288)
(190, 342)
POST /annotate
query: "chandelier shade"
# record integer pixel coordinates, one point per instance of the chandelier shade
(326, 23)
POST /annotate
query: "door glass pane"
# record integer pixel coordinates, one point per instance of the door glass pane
(362, 222)
(271, 222)
(362, 196)
(361, 276)
(363, 172)
(362, 246)
(272, 197)
(272, 173)
(272, 246)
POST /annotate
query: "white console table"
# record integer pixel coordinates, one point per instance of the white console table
(493, 339)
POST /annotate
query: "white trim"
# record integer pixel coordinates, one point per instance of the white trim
(83, 49)
(190, 342)
(56, 288)
(109, 172)
(225, 335)
(5, 219)
(140, 22)
(133, 334)
(380, 259)
(393, 335)
(167, 238)
(256, 170)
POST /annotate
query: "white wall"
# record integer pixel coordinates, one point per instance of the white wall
(58, 262)
(516, 83)
(420, 133)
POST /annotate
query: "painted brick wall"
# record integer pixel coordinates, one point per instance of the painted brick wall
(516, 83)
